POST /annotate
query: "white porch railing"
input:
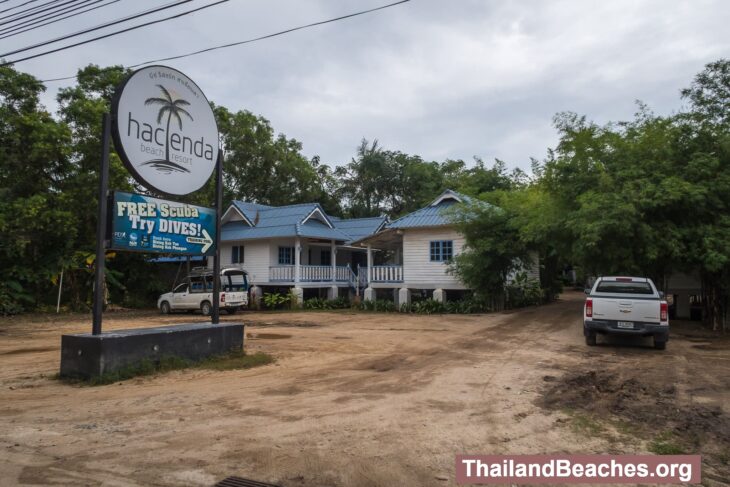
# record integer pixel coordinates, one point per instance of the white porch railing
(281, 273)
(309, 273)
(386, 273)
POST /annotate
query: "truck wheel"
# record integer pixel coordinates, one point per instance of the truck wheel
(165, 308)
(591, 340)
(205, 308)
(231, 311)
(660, 345)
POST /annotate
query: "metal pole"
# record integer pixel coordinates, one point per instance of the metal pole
(98, 308)
(60, 285)
(215, 315)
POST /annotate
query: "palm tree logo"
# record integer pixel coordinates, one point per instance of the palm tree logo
(173, 108)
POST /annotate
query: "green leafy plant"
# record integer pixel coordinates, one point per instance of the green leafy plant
(523, 291)
(275, 300)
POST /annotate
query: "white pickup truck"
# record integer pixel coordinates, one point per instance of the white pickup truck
(626, 306)
(196, 292)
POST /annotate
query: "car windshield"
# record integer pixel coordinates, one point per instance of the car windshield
(181, 288)
(624, 287)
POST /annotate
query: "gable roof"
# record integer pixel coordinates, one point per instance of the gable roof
(433, 215)
(357, 228)
(302, 220)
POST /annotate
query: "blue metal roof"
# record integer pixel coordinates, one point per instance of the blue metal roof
(433, 215)
(302, 220)
(357, 228)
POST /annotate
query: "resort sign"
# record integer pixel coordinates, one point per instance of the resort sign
(164, 130)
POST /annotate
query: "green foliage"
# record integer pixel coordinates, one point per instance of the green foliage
(428, 307)
(377, 305)
(494, 248)
(326, 304)
(666, 444)
(523, 291)
(275, 300)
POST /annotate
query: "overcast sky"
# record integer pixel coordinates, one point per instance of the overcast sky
(441, 79)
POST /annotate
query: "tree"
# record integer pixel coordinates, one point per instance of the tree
(36, 229)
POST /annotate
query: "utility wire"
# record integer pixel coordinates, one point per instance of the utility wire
(48, 16)
(100, 26)
(19, 30)
(111, 34)
(26, 10)
(248, 41)
(66, 4)
(17, 6)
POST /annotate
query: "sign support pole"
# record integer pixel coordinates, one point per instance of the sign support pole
(215, 314)
(99, 264)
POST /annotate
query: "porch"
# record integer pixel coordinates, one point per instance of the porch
(311, 273)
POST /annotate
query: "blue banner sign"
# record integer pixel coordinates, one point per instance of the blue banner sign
(145, 224)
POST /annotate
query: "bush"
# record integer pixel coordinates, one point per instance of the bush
(326, 304)
(377, 305)
(12, 297)
(276, 300)
(523, 291)
(428, 307)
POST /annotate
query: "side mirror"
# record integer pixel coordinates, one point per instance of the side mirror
(587, 290)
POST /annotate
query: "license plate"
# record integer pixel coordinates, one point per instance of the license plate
(625, 324)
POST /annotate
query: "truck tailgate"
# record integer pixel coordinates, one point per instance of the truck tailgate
(623, 309)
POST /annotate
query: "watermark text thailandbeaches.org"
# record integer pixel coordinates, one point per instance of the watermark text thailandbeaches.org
(598, 469)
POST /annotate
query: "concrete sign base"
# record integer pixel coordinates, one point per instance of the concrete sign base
(86, 355)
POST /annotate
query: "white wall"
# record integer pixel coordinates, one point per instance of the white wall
(255, 258)
(417, 266)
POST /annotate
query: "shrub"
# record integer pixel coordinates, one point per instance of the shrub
(275, 300)
(523, 291)
(428, 307)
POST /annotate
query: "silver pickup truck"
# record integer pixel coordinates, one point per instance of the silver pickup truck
(626, 306)
(196, 292)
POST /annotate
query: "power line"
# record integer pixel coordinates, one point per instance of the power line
(19, 30)
(52, 7)
(111, 34)
(48, 16)
(100, 26)
(17, 6)
(248, 41)
(26, 10)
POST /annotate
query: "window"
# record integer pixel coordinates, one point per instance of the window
(197, 284)
(325, 257)
(286, 255)
(182, 288)
(619, 287)
(442, 250)
(237, 254)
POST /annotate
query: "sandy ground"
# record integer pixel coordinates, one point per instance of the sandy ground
(353, 399)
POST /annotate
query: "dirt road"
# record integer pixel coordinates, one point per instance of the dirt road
(359, 399)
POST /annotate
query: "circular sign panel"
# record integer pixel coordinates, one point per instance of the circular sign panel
(164, 130)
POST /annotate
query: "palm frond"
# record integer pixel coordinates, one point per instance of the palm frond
(166, 93)
(161, 113)
(182, 110)
(180, 101)
(155, 101)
